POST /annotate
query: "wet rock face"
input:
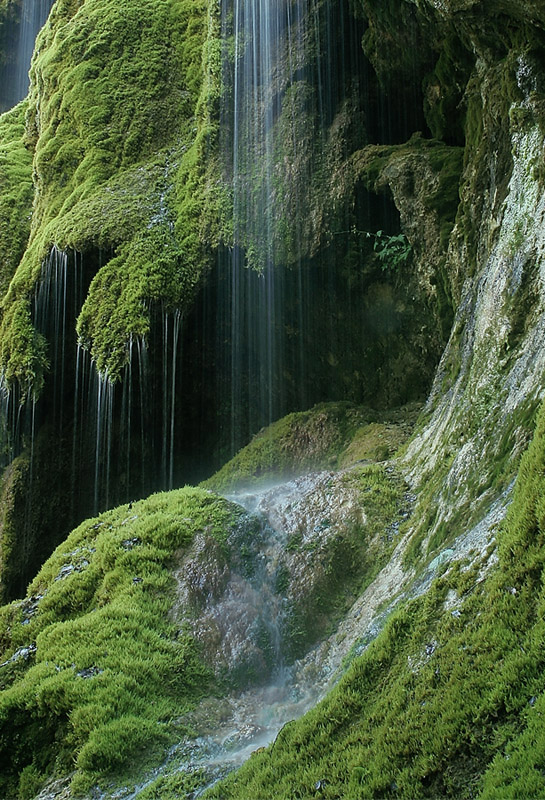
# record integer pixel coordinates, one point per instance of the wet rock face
(225, 593)
(483, 75)
(489, 381)
(318, 519)
(519, 9)
(261, 597)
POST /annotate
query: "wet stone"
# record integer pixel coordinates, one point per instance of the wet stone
(90, 672)
(29, 607)
(23, 653)
(69, 569)
(129, 544)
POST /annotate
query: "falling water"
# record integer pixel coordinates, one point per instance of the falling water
(128, 430)
(57, 301)
(288, 67)
(14, 77)
(170, 357)
(262, 34)
(88, 443)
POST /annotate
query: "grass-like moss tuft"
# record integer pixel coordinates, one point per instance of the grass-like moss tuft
(298, 443)
(17, 192)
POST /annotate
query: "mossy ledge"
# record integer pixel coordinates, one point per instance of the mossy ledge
(327, 436)
(118, 111)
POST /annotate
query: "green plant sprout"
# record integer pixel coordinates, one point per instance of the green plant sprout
(391, 251)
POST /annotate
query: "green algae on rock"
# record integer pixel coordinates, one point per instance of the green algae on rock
(326, 436)
(17, 193)
(456, 674)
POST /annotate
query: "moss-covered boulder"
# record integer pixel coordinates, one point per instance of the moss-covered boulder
(447, 701)
(93, 671)
(147, 610)
(327, 436)
(17, 192)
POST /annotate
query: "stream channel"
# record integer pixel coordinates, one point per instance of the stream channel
(230, 728)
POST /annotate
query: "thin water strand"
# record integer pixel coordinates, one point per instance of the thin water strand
(15, 76)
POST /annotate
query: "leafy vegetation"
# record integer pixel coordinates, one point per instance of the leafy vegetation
(392, 252)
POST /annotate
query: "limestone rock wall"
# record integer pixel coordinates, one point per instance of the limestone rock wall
(479, 416)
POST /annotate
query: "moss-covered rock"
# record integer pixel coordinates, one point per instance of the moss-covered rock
(125, 134)
(17, 193)
(93, 673)
(111, 115)
(423, 177)
(327, 436)
(446, 702)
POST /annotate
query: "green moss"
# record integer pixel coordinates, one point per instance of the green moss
(327, 436)
(438, 194)
(202, 208)
(398, 42)
(299, 442)
(350, 560)
(17, 193)
(30, 783)
(12, 550)
(23, 351)
(378, 441)
(175, 786)
(108, 675)
(111, 116)
(445, 162)
(487, 118)
(444, 88)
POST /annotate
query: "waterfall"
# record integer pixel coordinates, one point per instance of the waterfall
(14, 77)
(123, 437)
(128, 430)
(262, 68)
(87, 443)
(57, 301)
(288, 67)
